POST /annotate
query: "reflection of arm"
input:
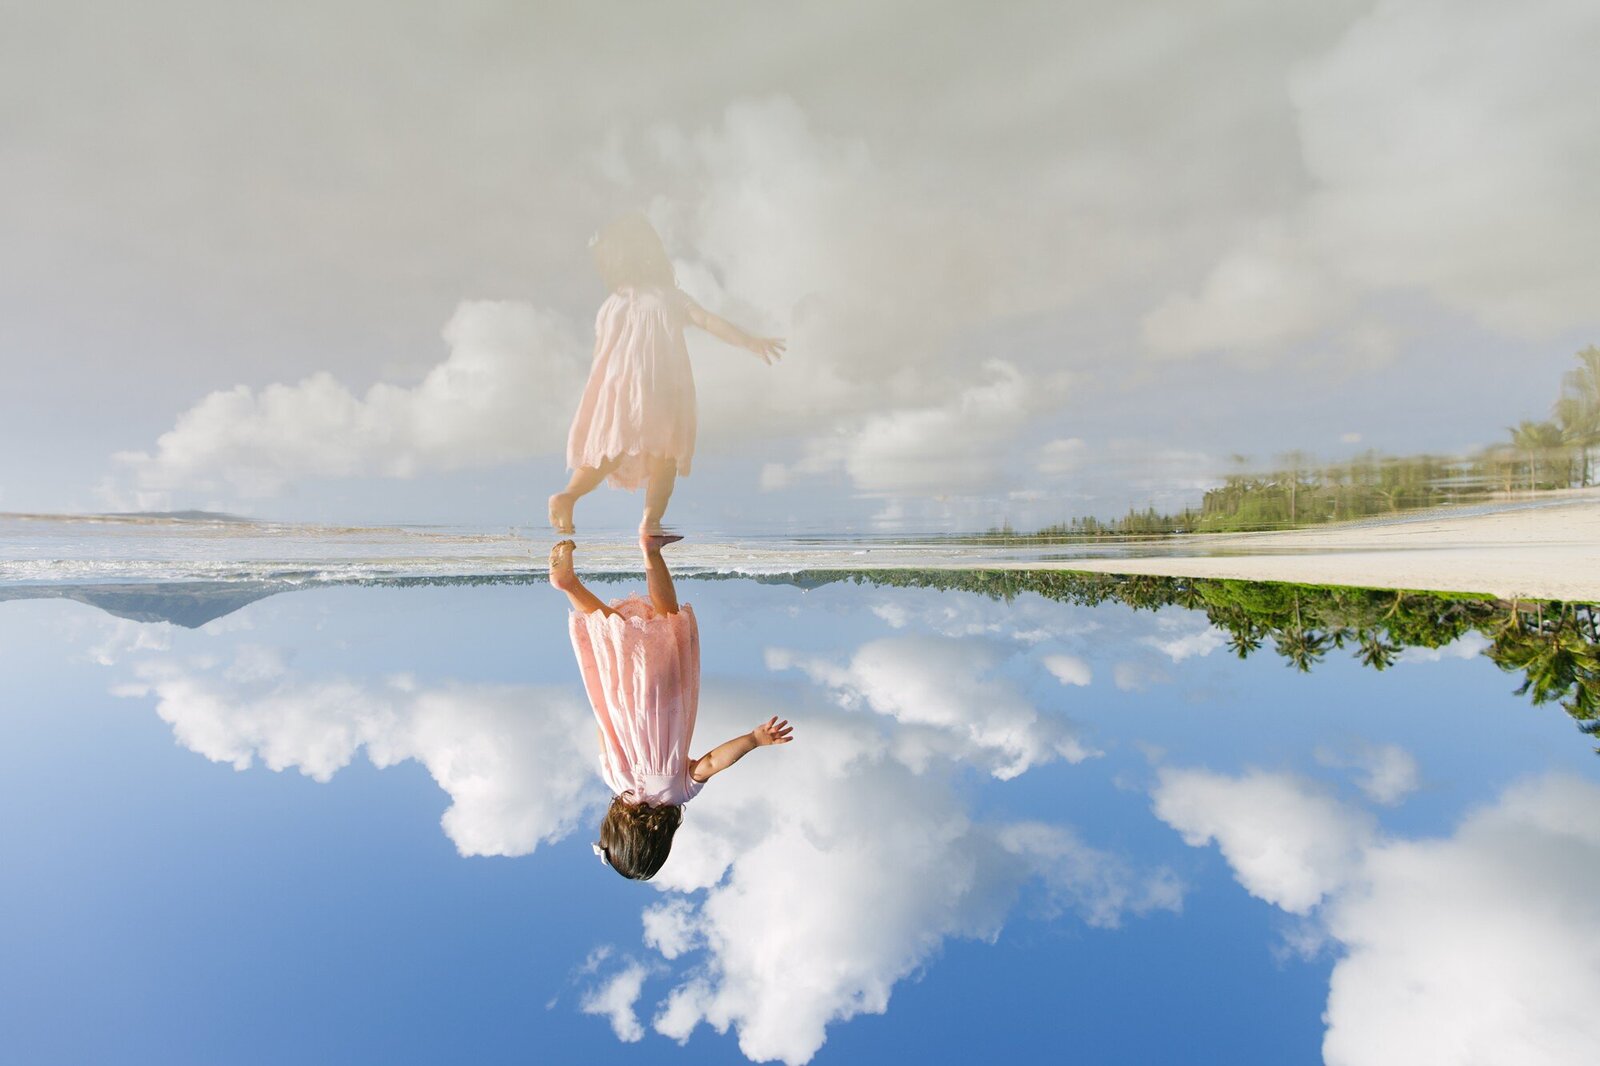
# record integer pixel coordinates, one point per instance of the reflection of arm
(725, 755)
(722, 756)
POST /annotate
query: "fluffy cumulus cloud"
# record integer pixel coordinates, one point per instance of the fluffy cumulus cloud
(796, 230)
(773, 223)
(503, 393)
(516, 761)
(614, 999)
(1479, 946)
(1184, 635)
(852, 855)
(949, 699)
(838, 872)
(1288, 843)
(1446, 147)
(1483, 946)
(1069, 669)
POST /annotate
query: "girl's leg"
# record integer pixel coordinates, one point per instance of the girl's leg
(565, 578)
(658, 491)
(584, 480)
(663, 597)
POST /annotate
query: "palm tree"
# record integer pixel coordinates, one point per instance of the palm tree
(1537, 441)
(1376, 652)
(1578, 408)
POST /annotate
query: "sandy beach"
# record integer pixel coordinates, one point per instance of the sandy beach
(1550, 551)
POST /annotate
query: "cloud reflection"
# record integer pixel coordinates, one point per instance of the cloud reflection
(1479, 946)
(868, 851)
(516, 760)
(862, 838)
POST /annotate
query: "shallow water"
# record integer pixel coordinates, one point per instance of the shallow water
(1025, 811)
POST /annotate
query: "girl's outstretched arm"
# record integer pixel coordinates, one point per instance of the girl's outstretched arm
(724, 755)
(767, 348)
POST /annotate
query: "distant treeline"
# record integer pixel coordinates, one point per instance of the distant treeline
(1553, 454)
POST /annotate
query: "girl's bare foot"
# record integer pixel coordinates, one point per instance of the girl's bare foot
(562, 575)
(652, 543)
(561, 512)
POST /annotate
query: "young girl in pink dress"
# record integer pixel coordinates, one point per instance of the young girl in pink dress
(635, 424)
(640, 660)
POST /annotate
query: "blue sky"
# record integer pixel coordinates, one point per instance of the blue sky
(167, 907)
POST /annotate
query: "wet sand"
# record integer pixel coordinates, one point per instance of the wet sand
(1546, 552)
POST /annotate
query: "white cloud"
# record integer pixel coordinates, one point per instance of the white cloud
(669, 928)
(1287, 842)
(1448, 163)
(516, 761)
(894, 614)
(614, 1000)
(949, 700)
(1467, 646)
(1131, 676)
(1098, 886)
(505, 392)
(959, 445)
(1266, 293)
(798, 231)
(837, 871)
(124, 637)
(1387, 773)
(1184, 635)
(1068, 669)
(1481, 946)
(1455, 161)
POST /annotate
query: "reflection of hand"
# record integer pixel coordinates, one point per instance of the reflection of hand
(768, 349)
(772, 731)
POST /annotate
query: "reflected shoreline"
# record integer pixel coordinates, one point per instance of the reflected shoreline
(1554, 645)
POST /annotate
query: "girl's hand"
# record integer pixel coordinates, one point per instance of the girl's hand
(772, 731)
(767, 349)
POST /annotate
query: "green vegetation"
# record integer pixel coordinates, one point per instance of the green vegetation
(1553, 454)
(1554, 646)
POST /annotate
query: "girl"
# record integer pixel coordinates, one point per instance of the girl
(640, 660)
(636, 422)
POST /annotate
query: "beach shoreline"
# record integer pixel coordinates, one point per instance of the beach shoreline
(1549, 552)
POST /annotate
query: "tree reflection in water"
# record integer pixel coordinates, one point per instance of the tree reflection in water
(1555, 646)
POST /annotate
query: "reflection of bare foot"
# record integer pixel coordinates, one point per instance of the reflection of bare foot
(561, 512)
(652, 543)
(562, 575)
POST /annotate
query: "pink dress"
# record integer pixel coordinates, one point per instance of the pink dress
(642, 672)
(639, 401)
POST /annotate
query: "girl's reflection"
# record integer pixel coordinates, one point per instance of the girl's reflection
(635, 424)
(640, 660)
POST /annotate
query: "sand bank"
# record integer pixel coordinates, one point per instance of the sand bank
(1551, 551)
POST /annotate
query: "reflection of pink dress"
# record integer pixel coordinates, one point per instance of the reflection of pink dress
(639, 401)
(642, 672)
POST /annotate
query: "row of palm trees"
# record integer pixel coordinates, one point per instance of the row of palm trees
(1555, 647)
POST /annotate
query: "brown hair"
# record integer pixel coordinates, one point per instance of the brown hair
(636, 838)
(629, 252)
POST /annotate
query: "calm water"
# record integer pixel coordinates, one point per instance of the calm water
(1024, 814)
